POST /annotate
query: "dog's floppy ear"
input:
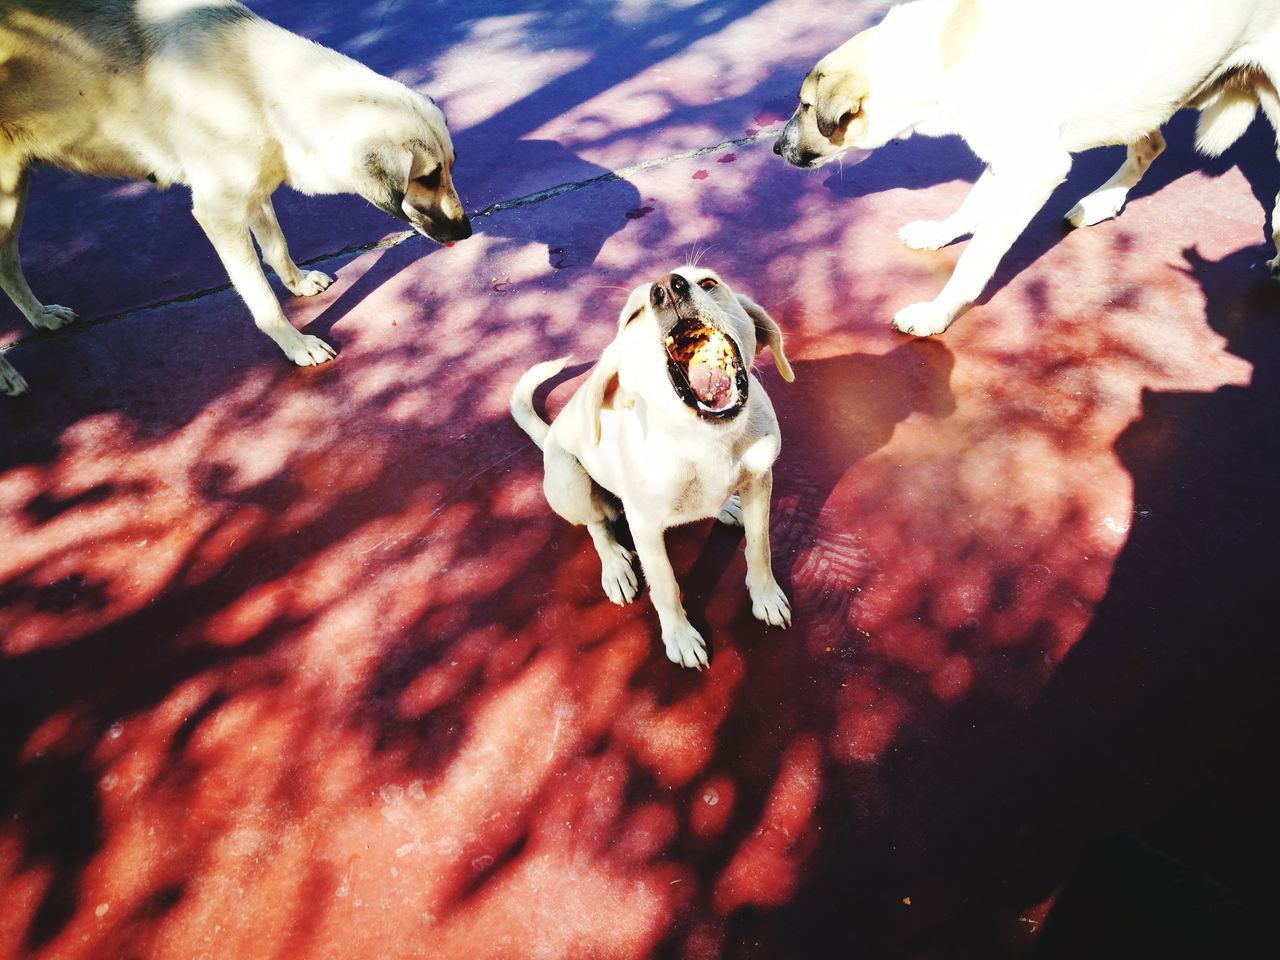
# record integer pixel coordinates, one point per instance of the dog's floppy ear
(635, 303)
(768, 334)
(602, 383)
(838, 95)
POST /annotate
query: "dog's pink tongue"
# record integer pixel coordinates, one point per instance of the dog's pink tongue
(711, 384)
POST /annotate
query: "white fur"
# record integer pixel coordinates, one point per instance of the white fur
(1027, 83)
(204, 93)
(625, 431)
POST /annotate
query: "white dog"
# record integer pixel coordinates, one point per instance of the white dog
(205, 93)
(1027, 83)
(672, 426)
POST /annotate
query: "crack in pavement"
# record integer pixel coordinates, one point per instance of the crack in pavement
(395, 239)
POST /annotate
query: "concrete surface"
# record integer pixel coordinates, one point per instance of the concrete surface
(299, 664)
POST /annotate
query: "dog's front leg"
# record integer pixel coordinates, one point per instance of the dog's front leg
(13, 202)
(1015, 193)
(266, 230)
(935, 234)
(226, 226)
(683, 643)
(768, 602)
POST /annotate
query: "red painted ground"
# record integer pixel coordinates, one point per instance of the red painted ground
(298, 663)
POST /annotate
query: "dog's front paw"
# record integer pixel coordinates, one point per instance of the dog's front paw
(685, 646)
(309, 351)
(1096, 207)
(922, 319)
(12, 383)
(1274, 267)
(925, 235)
(770, 604)
(52, 317)
(618, 575)
(731, 513)
(311, 283)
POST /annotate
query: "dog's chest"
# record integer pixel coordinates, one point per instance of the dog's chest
(687, 488)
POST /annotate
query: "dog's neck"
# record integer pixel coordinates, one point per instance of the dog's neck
(314, 160)
(916, 58)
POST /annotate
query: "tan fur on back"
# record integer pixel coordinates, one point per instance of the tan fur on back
(958, 31)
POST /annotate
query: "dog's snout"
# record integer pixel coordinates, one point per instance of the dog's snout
(672, 288)
(450, 231)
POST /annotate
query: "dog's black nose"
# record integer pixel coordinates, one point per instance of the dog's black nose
(777, 146)
(449, 231)
(672, 287)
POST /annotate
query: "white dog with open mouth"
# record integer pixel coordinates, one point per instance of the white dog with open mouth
(209, 95)
(1027, 83)
(672, 426)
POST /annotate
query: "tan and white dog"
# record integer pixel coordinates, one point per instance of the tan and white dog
(1027, 83)
(672, 427)
(207, 94)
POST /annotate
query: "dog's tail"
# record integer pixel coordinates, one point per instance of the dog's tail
(522, 398)
(1225, 119)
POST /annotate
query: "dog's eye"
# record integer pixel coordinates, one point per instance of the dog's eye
(430, 181)
(708, 283)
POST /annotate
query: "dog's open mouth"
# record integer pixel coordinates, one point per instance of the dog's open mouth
(706, 369)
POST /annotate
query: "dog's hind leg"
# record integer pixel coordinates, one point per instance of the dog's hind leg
(571, 493)
(227, 229)
(1270, 102)
(731, 513)
(935, 234)
(266, 230)
(1108, 199)
(13, 201)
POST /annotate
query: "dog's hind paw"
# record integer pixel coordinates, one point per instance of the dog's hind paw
(309, 351)
(922, 319)
(685, 646)
(1096, 207)
(12, 383)
(770, 604)
(731, 513)
(52, 317)
(618, 575)
(310, 284)
(926, 235)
